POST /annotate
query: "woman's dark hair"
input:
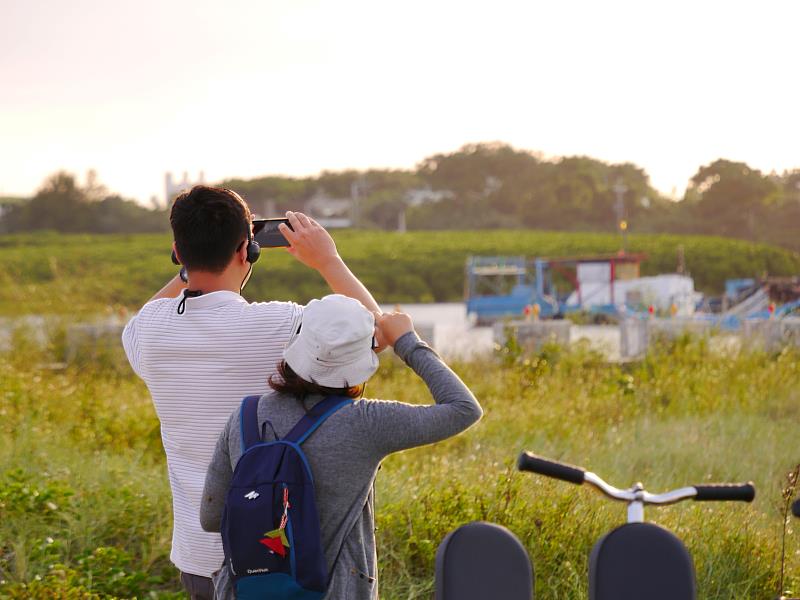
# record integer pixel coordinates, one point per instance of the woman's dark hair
(291, 383)
(209, 224)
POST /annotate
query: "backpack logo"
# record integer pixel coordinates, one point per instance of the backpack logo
(252, 495)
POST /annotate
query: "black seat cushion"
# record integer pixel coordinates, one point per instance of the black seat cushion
(641, 560)
(482, 561)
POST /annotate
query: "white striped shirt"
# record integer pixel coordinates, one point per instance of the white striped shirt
(198, 366)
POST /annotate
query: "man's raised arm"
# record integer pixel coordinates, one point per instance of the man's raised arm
(315, 248)
(172, 289)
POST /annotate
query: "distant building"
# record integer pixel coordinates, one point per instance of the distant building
(173, 188)
(334, 212)
(418, 196)
(331, 212)
(263, 209)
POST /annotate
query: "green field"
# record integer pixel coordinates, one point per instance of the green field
(84, 274)
(85, 503)
(84, 497)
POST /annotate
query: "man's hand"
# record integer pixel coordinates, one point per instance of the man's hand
(315, 248)
(310, 243)
(392, 326)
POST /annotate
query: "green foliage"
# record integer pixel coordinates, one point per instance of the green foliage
(63, 205)
(85, 503)
(84, 274)
(479, 186)
(730, 198)
(494, 185)
(105, 572)
(20, 494)
(687, 411)
(285, 192)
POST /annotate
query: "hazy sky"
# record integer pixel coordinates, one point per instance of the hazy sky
(247, 88)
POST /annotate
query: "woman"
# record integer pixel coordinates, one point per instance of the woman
(332, 355)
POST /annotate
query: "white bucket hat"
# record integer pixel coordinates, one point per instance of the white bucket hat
(334, 345)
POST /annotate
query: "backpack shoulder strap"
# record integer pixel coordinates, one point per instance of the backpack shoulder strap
(248, 422)
(316, 417)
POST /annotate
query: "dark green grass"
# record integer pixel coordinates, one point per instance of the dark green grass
(88, 274)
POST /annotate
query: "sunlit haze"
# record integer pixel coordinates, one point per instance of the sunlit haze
(242, 89)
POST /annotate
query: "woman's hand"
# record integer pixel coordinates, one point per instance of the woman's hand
(392, 326)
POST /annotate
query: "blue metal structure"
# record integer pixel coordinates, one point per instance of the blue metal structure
(734, 287)
(780, 311)
(500, 286)
(503, 286)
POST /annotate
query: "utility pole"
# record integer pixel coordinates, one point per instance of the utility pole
(357, 190)
(619, 209)
(355, 208)
(681, 270)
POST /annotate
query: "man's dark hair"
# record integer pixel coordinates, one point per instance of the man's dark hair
(209, 225)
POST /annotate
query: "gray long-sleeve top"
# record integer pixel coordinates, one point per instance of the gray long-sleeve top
(344, 455)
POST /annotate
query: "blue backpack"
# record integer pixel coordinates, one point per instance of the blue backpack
(270, 526)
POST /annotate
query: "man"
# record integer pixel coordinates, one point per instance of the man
(200, 348)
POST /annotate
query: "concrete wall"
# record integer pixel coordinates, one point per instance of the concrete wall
(34, 328)
(74, 341)
(771, 334)
(89, 342)
(533, 335)
(633, 338)
(427, 333)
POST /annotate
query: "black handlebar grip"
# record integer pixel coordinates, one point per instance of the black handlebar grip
(796, 508)
(550, 468)
(744, 492)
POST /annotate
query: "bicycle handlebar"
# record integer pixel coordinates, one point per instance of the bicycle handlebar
(743, 492)
(536, 464)
(725, 491)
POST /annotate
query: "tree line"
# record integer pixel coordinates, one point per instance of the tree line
(481, 186)
(62, 204)
(486, 186)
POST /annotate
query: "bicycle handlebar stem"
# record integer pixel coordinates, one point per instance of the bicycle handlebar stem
(637, 493)
(609, 490)
(670, 497)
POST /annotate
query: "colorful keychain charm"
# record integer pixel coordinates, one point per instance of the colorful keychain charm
(276, 539)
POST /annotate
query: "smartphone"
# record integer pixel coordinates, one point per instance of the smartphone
(267, 234)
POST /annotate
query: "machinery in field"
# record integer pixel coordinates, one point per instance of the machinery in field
(606, 285)
(761, 298)
(610, 286)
